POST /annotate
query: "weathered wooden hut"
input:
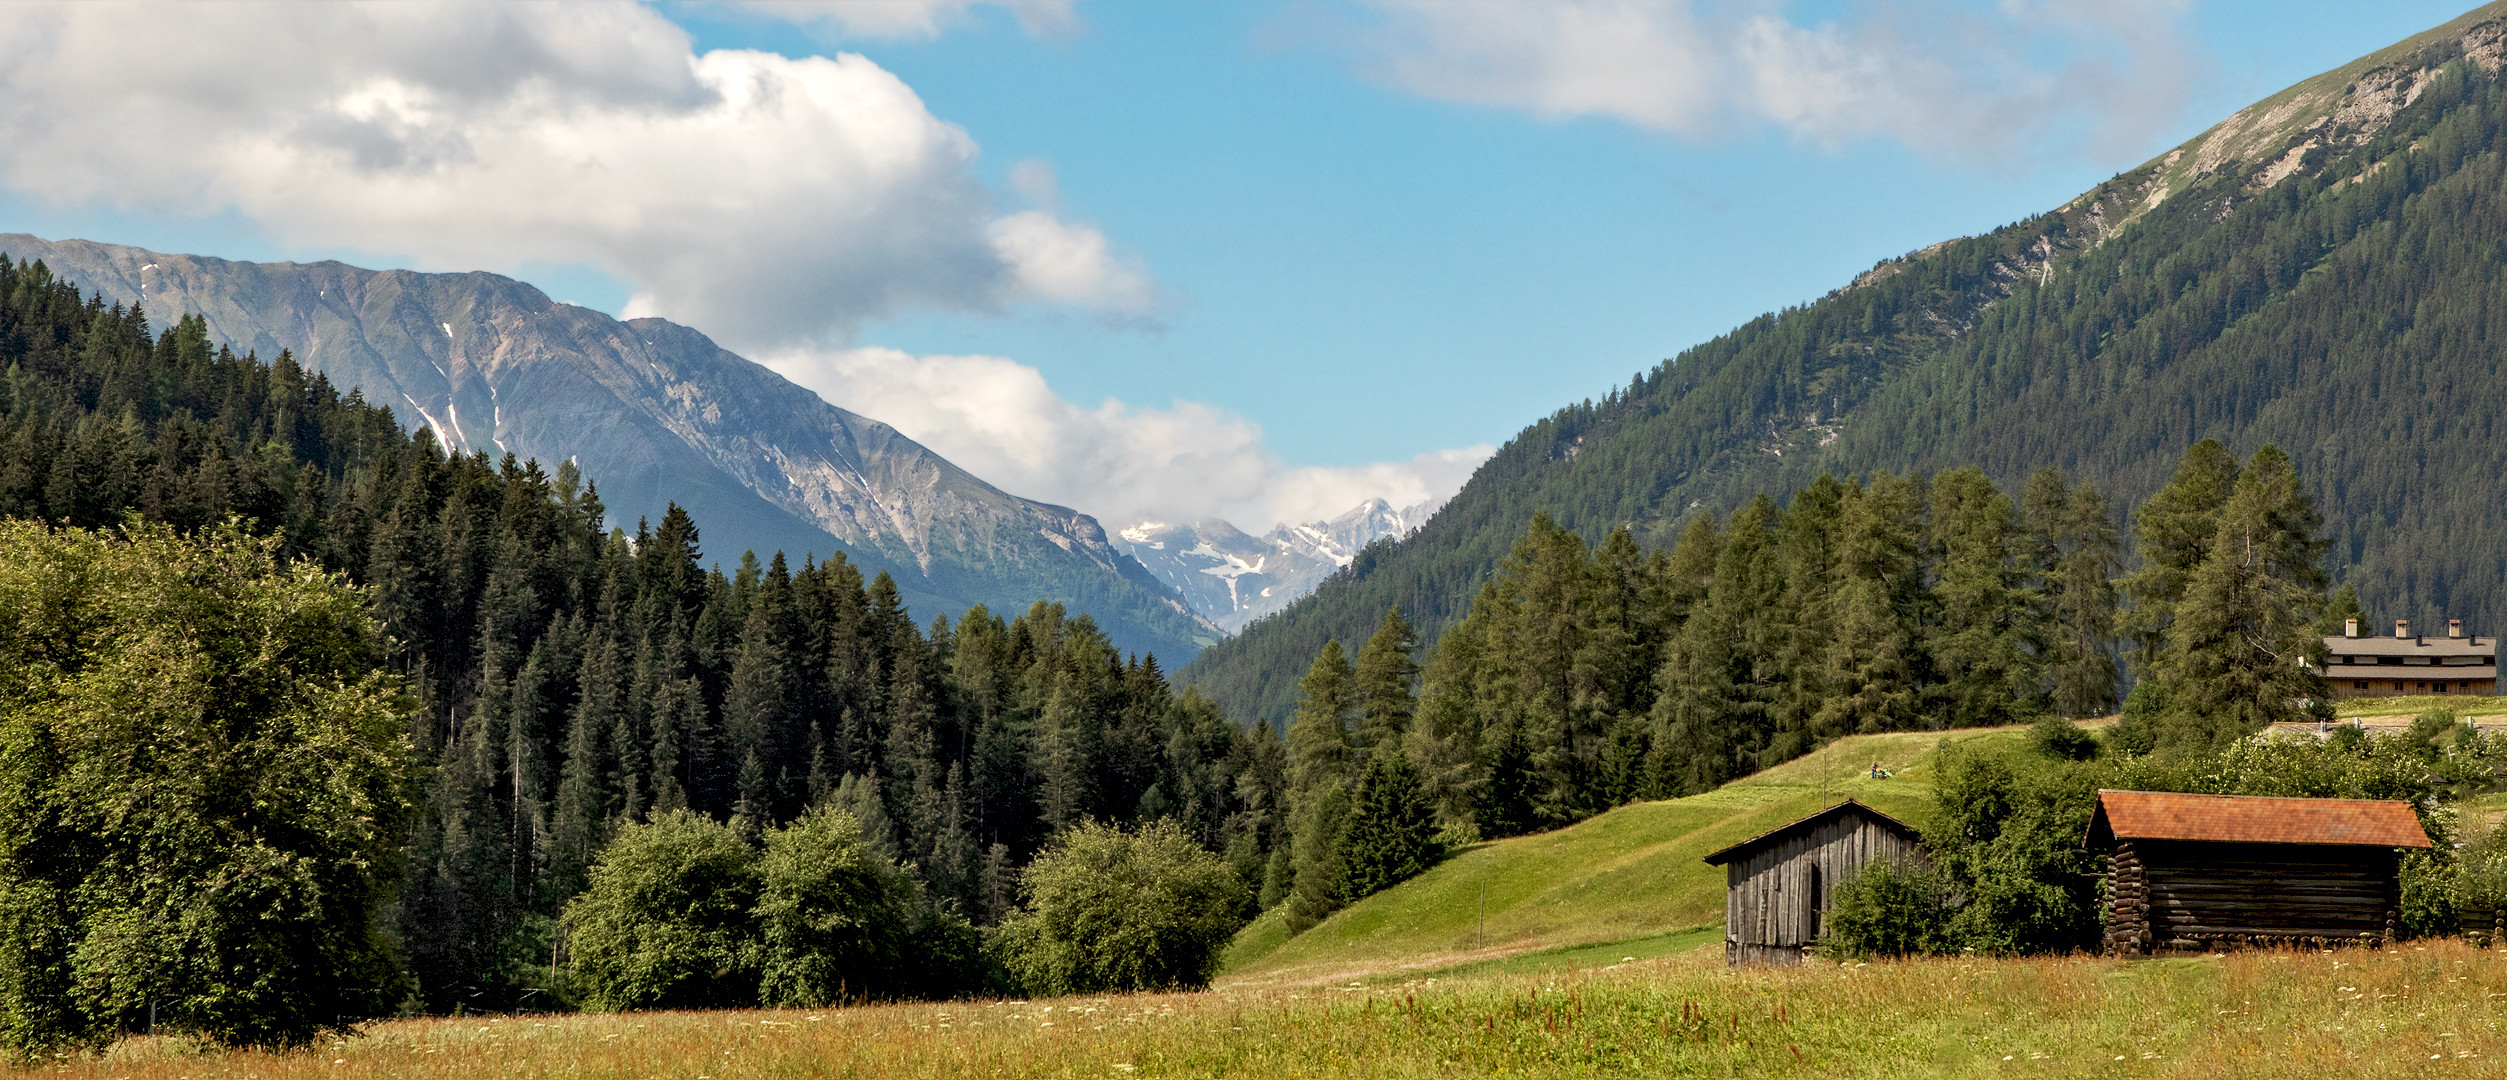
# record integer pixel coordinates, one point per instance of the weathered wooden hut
(2204, 872)
(1776, 884)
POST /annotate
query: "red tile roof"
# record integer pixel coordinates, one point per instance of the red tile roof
(2247, 819)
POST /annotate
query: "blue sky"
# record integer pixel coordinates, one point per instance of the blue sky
(1314, 241)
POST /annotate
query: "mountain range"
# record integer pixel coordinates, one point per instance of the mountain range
(2325, 271)
(653, 412)
(1234, 578)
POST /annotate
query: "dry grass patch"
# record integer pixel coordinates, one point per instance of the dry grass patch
(2409, 1012)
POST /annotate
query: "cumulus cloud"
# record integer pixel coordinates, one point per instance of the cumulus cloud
(1948, 78)
(762, 198)
(1000, 420)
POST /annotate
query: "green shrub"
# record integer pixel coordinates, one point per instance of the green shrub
(1111, 910)
(834, 918)
(667, 921)
(2062, 739)
(1889, 908)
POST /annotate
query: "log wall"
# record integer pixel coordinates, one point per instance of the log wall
(2184, 895)
(1773, 896)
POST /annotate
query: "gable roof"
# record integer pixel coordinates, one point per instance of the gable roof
(1842, 809)
(2364, 645)
(2250, 819)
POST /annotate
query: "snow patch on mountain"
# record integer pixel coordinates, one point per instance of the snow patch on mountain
(1232, 578)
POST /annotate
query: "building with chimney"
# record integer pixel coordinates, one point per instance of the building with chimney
(2362, 665)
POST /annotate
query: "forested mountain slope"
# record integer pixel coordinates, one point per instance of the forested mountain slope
(658, 413)
(2325, 271)
(571, 680)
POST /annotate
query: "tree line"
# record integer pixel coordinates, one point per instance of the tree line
(1584, 677)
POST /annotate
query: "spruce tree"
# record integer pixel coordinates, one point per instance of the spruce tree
(1392, 833)
(1988, 630)
(1875, 660)
(1318, 738)
(2243, 650)
(1319, 884)
(2175, 530)
(1384, 684)
(2072, 543)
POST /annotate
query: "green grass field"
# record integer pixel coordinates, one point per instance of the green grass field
(2418, 1011)
(1598, 961)
(2404, 708)
(1633, 874)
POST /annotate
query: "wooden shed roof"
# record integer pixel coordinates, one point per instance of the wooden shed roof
(1849, 806)
(2249, 819)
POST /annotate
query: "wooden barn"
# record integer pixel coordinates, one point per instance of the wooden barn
(2204, 872)
(1776, 884)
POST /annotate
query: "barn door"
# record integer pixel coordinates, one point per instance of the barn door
(1817, 898)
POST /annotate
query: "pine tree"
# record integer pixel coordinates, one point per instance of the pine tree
(1384, 685)
(2243, 649)
(1988, 632)
(1392, 833)
(2072, 543)
(1505, 803)
(1874, 663)
(1320, 884)
(2175, 530)
(1318, 738)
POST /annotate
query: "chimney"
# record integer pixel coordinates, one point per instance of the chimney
(2350, 628)
(2454, 628)
(2402, 628)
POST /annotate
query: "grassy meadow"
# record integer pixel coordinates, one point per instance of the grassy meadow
(2402, 709)
(2412, 1011)
(1632, 873)
(1597, 956)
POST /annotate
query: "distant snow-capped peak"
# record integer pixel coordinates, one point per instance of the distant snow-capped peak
(1233, 578)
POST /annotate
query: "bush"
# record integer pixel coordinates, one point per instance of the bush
(833, 916)
(1889, 908)
(667, 920)
(1110, 910)
(203, 780)
(2063, 740)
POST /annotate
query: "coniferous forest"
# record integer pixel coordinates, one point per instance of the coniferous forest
(2346, 313)
(572, 676)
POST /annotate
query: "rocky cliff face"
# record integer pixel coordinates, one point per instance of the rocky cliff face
(1233, 578)
(653, 412)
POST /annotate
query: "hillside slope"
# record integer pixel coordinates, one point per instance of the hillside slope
(2321, 271)
(653, 412)
(1630, 873)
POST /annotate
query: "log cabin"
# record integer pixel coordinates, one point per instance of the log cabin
(1776, 884)
(2205, 872)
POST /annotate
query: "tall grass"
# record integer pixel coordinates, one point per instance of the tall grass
(2411, 1011)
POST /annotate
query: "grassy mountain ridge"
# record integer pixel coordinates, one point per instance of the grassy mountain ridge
(2319, 271)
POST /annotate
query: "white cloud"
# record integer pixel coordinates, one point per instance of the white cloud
(762, 198)
(1948, 78)
(999, 419)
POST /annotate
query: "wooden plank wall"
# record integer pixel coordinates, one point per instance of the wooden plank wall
(2201, 896)
(1770, 907)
